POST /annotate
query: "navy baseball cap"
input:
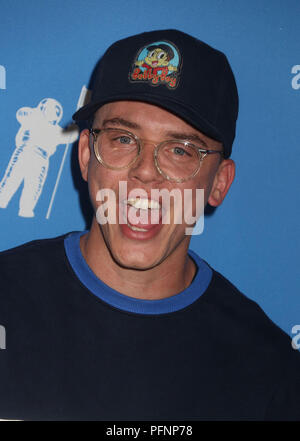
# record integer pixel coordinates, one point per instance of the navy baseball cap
(175, 71)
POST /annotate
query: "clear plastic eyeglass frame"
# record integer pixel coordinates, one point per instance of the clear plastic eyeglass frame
(202, 153)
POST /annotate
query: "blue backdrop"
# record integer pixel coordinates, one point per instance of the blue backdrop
(49, 49)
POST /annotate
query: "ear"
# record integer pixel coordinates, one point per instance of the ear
(84, 153)
(222, 182)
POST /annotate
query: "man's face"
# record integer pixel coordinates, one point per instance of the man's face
(129, 246)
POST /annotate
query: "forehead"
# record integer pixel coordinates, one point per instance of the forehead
(148, 117)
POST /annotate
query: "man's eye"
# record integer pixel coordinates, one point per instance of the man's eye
(124, 139)
(180, 151)
(161, 55)
(151, 54)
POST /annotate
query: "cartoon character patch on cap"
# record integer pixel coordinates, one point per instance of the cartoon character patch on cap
(157, 63)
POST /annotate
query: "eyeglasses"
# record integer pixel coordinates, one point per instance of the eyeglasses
(176, 160)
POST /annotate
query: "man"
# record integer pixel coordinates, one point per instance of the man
(123, 322)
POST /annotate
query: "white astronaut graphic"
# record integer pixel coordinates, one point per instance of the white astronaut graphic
(36, 140)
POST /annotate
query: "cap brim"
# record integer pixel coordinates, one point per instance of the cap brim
(190, 115)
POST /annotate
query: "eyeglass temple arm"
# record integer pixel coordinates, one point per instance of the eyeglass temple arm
(208, 152)
(94, 131)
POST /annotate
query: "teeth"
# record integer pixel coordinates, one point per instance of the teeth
(135, 228)
(143, 204)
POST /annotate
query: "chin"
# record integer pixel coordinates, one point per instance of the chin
(135, 259)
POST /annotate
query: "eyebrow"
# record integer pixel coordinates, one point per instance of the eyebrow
(187, 137)
(121, 122)
(193, 137)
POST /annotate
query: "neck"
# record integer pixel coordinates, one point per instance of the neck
(170, 277)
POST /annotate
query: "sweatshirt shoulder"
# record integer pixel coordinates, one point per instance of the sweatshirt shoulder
(248, 320)
(31, 248)
(23, 258)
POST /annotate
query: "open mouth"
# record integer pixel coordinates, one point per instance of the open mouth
(142, 215)
(154, 63)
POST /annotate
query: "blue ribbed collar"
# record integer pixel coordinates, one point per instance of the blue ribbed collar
(131, 304)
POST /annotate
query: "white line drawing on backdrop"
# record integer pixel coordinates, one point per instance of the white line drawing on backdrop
(2, 337)
(296, 79)
(84, 98)
(2, 77)
(36, 141)
(296, 339)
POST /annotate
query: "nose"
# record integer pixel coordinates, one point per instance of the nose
(144, 169)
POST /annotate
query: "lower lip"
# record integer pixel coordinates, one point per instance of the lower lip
(151, 229)
(151, 232)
